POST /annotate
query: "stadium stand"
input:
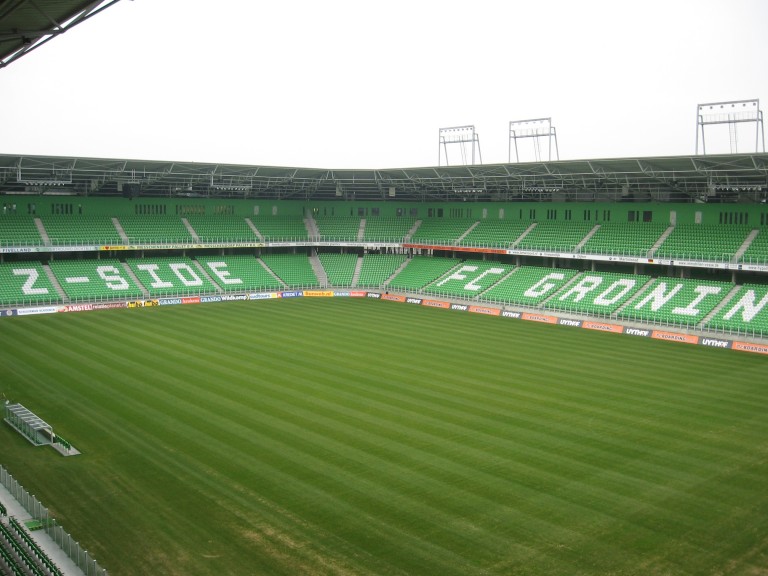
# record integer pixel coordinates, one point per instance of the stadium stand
(340, 268)
(676, 302)
(629, 239)
(470, 279)
(22, 553)
(377, 268)
(281, 228)
(155, 230)
(26, 284)
(703, 242)
(338, 228)
(598, 293)
(222, 229)
(555, 236)
(87, 280)
(81, 230)
(422, 270)
(293, 269)
(528, 285)
(441, 231)
(171, 276)
(495, 233)
(19, 230)
(745, 313)
(383, 229)
(757, 252)
(238, 273)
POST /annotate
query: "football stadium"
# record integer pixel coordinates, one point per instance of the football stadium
(552, 367)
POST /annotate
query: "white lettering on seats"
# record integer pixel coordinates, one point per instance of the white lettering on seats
(625, 284)
(111, 276)
(586, 284)
(28, 286)
(658, 296)
(223, 275)
(703, 292)
(747, 306)
(474, 286)
(157, 282)
(458, 274)
(543, 286)
(193, 280)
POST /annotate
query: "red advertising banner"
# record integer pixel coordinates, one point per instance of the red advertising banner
(589, 325)
(675, 337)
(750, 347)
(484, 310)
(436, 304)
(393, 297)
(357, 294)
(191, 300)
(539, 318)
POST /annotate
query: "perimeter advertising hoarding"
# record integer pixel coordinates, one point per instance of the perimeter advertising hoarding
(374, 295)
(539, 318)
(318, 294)
(485, 310)
(393, 297)
(750, 347)
(435, 304)
(675, 337)
(590, 325)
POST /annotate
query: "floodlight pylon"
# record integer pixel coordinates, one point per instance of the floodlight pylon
(463, 137)
(534, 129)
(730, 114)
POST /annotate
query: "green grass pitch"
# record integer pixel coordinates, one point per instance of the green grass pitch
(330, 436)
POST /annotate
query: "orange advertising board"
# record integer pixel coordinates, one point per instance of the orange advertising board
(539, 318)
(675, 337)
(589, 325)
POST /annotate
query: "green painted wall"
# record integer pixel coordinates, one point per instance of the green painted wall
(598, 212)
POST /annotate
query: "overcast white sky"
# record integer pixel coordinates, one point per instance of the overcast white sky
(354, 84)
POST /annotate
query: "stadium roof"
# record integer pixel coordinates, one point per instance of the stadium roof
(26, 24)
(721, 178)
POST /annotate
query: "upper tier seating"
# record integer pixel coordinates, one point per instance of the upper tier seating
(220, 229)
(238, 273)
(675, 301)
(442, 232)
(555, 236)
(495, 233)
(338, 228)
(376, 268)
(340, 268)
(26, 284)
(171, 276)
(757, 253)
(420, 271)
(19, 230)
(85, 280)
(628, 239)
(598, 293)
(281, 228)
(293, 269)
(528, 285)
(155, 230)
(470, 279)
(381, 229)
(81, 230)
(703, 242)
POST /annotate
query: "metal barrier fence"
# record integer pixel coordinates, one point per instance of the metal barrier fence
(69, 546)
